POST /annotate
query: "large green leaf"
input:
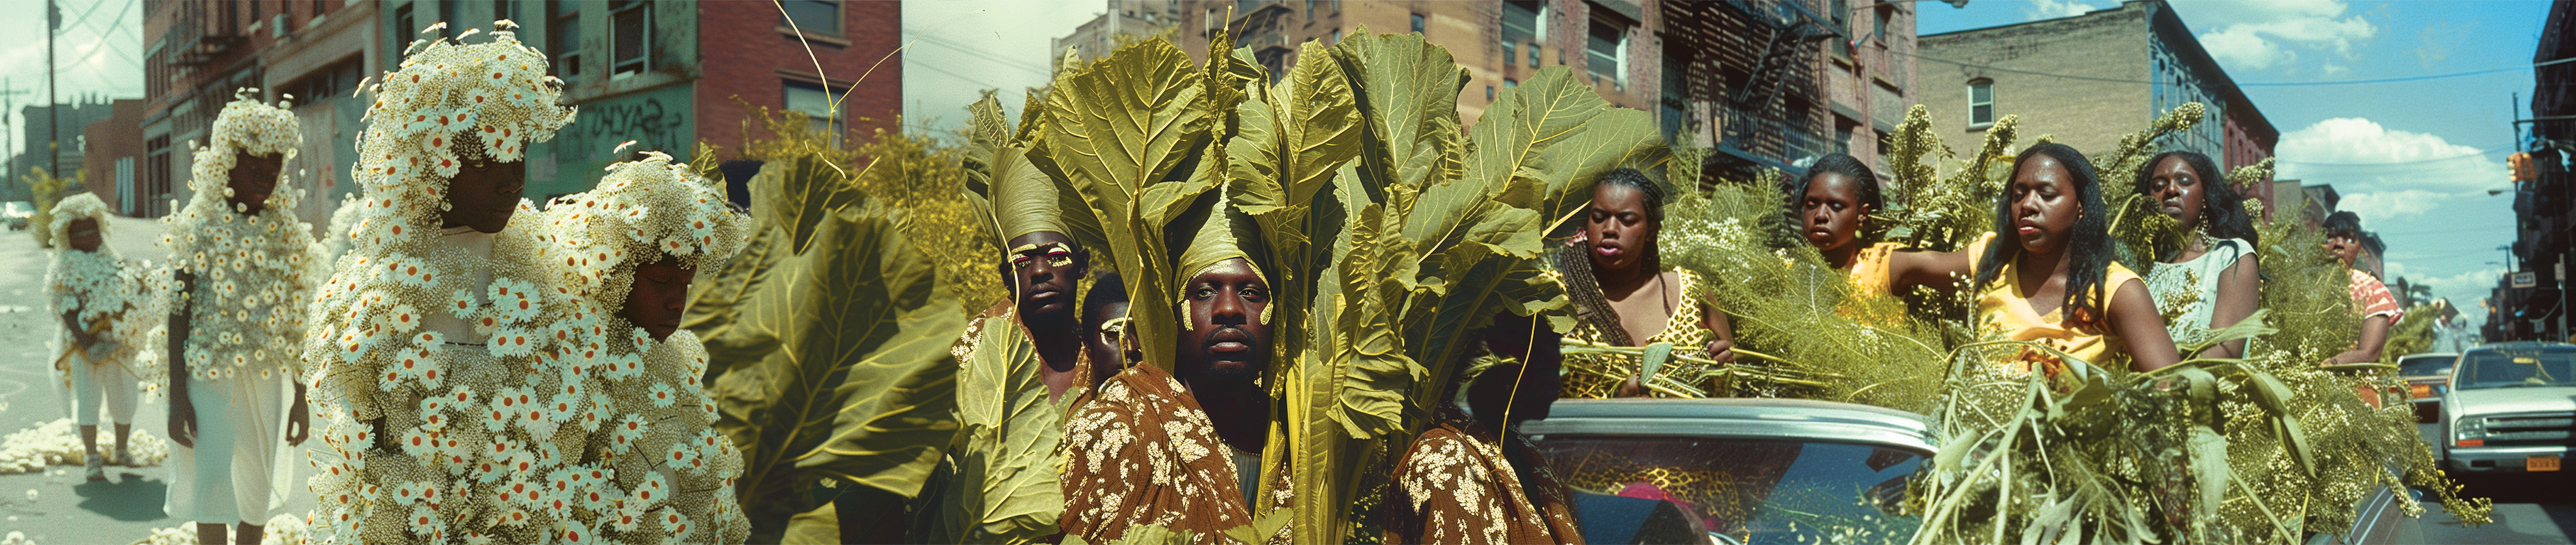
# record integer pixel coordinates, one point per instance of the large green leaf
(1005, 488)
(1557, 135)
(1115, 129)
(795, 194)
(861, 387)
(1409, 90)
(716, 306)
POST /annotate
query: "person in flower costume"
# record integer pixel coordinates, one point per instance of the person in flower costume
(635, 243)
(237, 250)
(99, 299)
(457, 370)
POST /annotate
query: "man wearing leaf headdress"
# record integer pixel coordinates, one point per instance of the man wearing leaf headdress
(1179, 451)
(456, 366)
(237, 250)
(1020, 366)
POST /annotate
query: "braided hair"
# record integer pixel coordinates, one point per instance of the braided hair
(2088, 249)
(1575, 260)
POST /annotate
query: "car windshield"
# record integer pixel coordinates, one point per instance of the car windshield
(2424, 366)
(2509, 368)
(1732, 490)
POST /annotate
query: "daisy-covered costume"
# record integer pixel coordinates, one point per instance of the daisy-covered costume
(109, 298)
(481, 368)
(240, 351)
(670, 475)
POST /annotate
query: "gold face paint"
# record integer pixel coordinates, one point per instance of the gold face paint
(1057, 254)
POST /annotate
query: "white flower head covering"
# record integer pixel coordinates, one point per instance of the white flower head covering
(451, 103)
(245, 125)
(77, 207)
(642, 208)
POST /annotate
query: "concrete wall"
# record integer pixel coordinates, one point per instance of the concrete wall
(2090, 115)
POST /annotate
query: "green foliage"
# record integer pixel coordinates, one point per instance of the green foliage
(836, 333)
(1935, 213)
(49, 190)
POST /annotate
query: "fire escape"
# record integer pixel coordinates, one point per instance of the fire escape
(1742, 77)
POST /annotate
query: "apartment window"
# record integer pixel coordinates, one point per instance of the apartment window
(1886, 12)
(630, 26)
(1489, 94)
(402, 26)
(447, 14)
(1981, 103)
(1840, 12)
(1417, 22)
(816, 16)
(564, 41)
(1510, 83)
(1524, 21)
(1310, 9)
(156, 173)
(254, 10)
(1337, 6)
(816, 103)
(1608, 51)
(321, 7)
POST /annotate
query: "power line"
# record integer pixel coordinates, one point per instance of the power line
(978, 53)
(2258, 84)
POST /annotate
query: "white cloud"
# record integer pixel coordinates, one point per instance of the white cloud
(2391, 205)
(2261, 35)
(2361, 157)
(2053, 9)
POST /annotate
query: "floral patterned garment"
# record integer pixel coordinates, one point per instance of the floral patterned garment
(1454, 486)
(1141, 453)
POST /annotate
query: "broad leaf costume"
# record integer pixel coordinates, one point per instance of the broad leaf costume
(240, 353)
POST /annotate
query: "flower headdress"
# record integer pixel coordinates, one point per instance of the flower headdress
(245, 125)
(451, 103)
(642, 208)
(77, 207)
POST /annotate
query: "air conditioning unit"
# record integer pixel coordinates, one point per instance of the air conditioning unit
(277, 26)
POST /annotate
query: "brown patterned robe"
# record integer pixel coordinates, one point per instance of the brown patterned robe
(1454, 486)
(1141, 453)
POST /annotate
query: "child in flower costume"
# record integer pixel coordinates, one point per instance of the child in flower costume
(455, 371)
(634, 244)
(237, 252)
(101, 304)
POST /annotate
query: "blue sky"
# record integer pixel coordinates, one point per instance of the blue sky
(2413, 159)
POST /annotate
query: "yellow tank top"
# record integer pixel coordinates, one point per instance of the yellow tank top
(2004, 305)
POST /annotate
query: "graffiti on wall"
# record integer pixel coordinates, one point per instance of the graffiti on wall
(653, 123)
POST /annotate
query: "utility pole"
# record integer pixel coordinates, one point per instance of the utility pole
(53, 106)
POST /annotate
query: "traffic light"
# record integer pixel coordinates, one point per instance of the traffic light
(2523, 171)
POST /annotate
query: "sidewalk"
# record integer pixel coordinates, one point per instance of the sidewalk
(66, 509)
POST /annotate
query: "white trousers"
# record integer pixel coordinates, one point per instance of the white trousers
(102, 383)
(237, 472)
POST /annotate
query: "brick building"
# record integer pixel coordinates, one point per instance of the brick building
(76, 113)
(1499, 42)
(668, 75)
(2091, 79)
(1126, 19)
(111, 150)
(2544, 197)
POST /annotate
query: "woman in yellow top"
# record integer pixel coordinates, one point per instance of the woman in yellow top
(1624, 297)
(2049, 277)
(1831, 204)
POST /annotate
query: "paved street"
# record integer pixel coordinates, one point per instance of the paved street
(2529, 508)
(68, 510)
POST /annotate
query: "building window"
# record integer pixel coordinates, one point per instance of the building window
(1337, 6)
(816, 16)
(817, 106)
(403, 28)
(563, 42)
(1886, 12)
(1524, 21)
(1489, 94)
(630, 26)
(156, 174)
(321, 7)
(1981, 103)
(1510, 83)
(1310, 9)
(1417, 23)
(1608, 51)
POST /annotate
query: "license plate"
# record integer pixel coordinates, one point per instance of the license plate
(2540, 463)
(2421, 390)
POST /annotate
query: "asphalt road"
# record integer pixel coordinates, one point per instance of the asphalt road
(66, 509)
(2529, 507)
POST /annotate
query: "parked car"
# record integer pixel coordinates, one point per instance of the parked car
(1739, 471)
(2428, 376)
(17, 213)
(2511, 408)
